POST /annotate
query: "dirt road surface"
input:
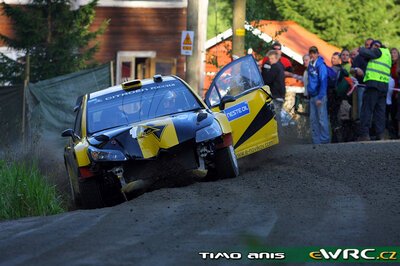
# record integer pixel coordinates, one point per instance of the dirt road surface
(287, 196)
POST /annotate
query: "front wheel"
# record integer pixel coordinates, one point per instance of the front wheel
(99, 192)
(91, 195)
(226, 164)
(75, 198)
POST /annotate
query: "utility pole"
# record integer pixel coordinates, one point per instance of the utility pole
(195, 63)
(239, 17)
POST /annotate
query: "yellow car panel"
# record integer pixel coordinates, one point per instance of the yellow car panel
(253, 124)
(81, 153)
(249, 109)
(223, 121)
(155, 136)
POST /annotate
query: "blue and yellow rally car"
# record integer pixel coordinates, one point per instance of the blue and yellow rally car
(128, 136)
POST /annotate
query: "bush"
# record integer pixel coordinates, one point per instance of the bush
(25, 192)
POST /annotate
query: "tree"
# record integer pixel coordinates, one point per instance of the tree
(345, 23)
(219, 17)
(261, 10)
(257, 10)
(342, 23)
(57, 39)
(220, 14)
(11, 72)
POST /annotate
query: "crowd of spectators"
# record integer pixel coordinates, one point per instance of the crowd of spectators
(360, 103)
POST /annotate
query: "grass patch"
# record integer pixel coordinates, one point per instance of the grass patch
(25, 192)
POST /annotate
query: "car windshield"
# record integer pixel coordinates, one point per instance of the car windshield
(150, 101)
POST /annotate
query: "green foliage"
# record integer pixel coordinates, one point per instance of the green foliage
(345, 23)
(10, 71)
(260, 10)
(341, 23)
(24, 192)
(220, 15)
(57, 39)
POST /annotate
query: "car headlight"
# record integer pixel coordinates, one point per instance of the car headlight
(106, 155)
(210, 132)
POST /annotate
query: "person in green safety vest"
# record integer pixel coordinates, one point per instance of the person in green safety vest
(376, 79)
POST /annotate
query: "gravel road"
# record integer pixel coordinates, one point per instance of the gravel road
(286, 196)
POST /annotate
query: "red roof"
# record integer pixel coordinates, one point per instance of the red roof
(295, 41)
(297, 38)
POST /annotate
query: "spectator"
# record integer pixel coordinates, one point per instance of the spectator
(376, 79)
(336, 61)
(398, 118)
(285, 62)
(356, 100)
(302, 98)
(345, 57)
(391, 109)
(333, 99)
(389, 105)
(317, 90)
(275, 79)
(306, 62)
(304, 77)
(353, 55)
(368, 42)
(357, 70)
(287, 65)
(398, 98)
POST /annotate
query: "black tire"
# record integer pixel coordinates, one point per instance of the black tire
(91, 196)
(226, 164)
(211, 175)
(75, 197)
(99, 192)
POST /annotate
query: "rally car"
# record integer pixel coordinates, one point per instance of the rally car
(129, 136)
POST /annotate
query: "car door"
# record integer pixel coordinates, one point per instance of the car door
(251, 115)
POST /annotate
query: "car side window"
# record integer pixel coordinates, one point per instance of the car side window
(234, 79)
(214, 98)
(78, 122)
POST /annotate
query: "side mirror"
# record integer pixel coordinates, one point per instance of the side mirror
(69, 133)
(224, 100)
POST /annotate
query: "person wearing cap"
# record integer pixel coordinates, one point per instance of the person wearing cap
(284, 61)
(317, 90)
(376, 78)
(287, 65)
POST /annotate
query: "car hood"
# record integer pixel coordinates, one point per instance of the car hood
(145, 139)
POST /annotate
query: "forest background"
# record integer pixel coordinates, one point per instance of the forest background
(345, 24)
